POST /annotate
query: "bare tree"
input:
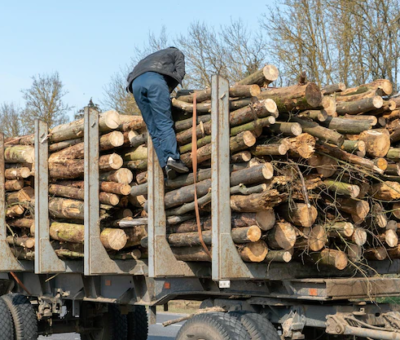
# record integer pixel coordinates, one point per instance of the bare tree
(44, 100)
(10, 120)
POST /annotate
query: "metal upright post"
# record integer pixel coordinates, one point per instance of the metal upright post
(162, 262)
(46, 260)
(8, 262)
(226, 262)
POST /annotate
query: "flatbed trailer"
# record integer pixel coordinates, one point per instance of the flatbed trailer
(101, 298)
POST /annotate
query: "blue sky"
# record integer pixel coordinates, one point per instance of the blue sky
(88, 41)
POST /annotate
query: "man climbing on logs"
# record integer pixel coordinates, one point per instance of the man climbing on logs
(151, 82)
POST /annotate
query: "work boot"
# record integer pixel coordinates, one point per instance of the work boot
(177, 165)
(169, 173)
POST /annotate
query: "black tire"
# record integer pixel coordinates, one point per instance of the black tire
(6, 322)
(213, 326)
(259, 327)
(23, 316)
(138, 324)
(114, 326)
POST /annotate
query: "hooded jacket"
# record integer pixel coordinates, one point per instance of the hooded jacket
(169, 62)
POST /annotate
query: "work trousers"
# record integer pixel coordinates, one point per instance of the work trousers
(152, 96)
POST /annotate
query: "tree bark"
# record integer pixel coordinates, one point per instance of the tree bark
(135, 235)
(136, 165)
(21, 222)
(121, 176)
(340, 229)
(325, 166)
(19, 154)
(65, 144)
(269, 150)
(358, 209)
(25, 242)
(140, 153)
(371, 119)
(287, 129)
(317, 115)
(393, 169)
(17, 173)
(359, 106)
(298, 214)
(14, 184)
(344, 189)
(356, 147)
(282, 256)
(130, 122)
(256, 202)
(347, 126)
(67, 232)
(330, 89)
(185, 124)
(66, 209)
(387, 191)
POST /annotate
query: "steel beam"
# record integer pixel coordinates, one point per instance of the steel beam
(8, 262)
(97, 261)
(46, 260)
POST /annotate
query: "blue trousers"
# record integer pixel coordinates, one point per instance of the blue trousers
(152, 96)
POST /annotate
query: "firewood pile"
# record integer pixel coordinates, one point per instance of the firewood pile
(314, 177)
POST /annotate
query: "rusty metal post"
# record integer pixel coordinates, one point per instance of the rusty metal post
(226, 262)
(46, 260)
(8, 261)
(97, 261)
(162, 262)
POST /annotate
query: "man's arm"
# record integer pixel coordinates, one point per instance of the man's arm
(180, 65)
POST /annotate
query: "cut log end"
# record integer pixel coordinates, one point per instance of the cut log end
(271, 73)
(254, 252)
(111, 119)
(114, 239)
(270, 105)
(313, 95)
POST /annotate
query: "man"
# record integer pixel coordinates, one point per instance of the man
(151, 82)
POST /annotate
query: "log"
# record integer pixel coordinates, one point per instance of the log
(328, 105)
(393, 154)
(115, 188)
(330, 258)
(17, 173)
(14, 184)
(23, 254)
(64, 144)
(19, 154)
(393, 169)
(135, 141)
(394, 253)
(378, 216)
(256, 202)
(319, 132)
(347, 157)
(121, 176)
(242, 141)
(298, 214)
(354, 253)
(67, 232)
(253, 252)
(109, 120)
(110, 162)
(330, 89)
(287, 129)
(14, 211)
(140, 153)
(392, 225)
(375, 254)
(314, 239)
(141, 177)
(188, 207)
(389, 237)
(66, 209)
(325, 166)
(135, 235)
(282, 256)
(263, 77)
(282, 236)
(395, 135)
(136, 165)
(188, 123)
(113, 238)
(239, 236)
(387, 191)
(26, 242)
(318, 115)
(21, 223)
(297, 97)
(377, 142)
(131, 122)
(359, 106)
(359, 237)
(241, 157)
(396, 210)
(340, 229)
(234, 91)
(381, 163)
(344, 189)
(26, 194)
(358, 209)
(346, 126)
(269, 150)
(371, 119)
(242, 189)
(301, 146)
(188, 108)
(356, 147)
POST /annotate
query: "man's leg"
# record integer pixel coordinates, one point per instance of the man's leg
(139, 90)
(158, 95)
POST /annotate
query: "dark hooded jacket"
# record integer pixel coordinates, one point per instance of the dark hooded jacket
(169, 62)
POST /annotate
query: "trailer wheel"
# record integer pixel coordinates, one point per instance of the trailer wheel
(6, 323)
(138, 325)
(259, 327)
(213, 326)
(23, 316)
(111, 326)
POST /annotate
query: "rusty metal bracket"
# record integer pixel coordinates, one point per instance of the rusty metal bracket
(226, 261)
(162, 262)
(8, 261)
(46, 260)
(97, 261)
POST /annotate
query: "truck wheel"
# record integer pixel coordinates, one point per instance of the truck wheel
(259, 327)
(138, 325)
(112, 326)
(23, 316)
(6, 323)
(213, 326)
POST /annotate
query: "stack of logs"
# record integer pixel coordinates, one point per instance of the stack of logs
(66, 189)
(314, 173)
